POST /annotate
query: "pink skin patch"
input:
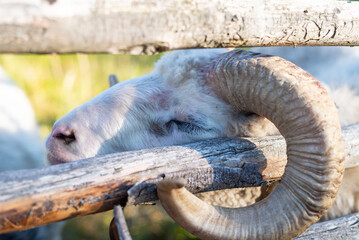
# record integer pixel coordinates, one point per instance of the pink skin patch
(161, 99)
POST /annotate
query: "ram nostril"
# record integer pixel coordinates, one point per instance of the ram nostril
(66, 135)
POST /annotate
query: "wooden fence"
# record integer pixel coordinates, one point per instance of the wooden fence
(150, 26)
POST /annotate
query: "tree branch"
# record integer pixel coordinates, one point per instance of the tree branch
(31, 198)
(151, 26)
(118, 226)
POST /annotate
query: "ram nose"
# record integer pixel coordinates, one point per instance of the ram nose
(64, 134)
(62, 144)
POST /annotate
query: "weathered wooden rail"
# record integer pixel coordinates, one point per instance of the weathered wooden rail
(35, 197)
(346, 227)
(150, 26)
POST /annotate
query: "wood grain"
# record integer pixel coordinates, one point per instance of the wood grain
(346, 227)
(151, 26)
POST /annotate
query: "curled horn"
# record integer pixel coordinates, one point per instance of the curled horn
(112, 79)
(306, 116)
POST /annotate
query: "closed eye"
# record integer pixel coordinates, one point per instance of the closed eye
(184, 126)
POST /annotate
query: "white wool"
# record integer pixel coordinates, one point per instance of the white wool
(181, 66)
(347, 102)
(21, 146)
(181, 70)
(20, 142)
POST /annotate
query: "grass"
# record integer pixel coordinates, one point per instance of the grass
(55, 84)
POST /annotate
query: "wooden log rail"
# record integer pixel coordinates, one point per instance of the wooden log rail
(31, 198)
(151, 26)
(346, 227)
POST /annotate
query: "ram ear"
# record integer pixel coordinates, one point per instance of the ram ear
(112, 79)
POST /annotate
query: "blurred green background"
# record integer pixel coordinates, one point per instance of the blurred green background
(55, 84)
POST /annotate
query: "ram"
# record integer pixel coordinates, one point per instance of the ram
(200, 94)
